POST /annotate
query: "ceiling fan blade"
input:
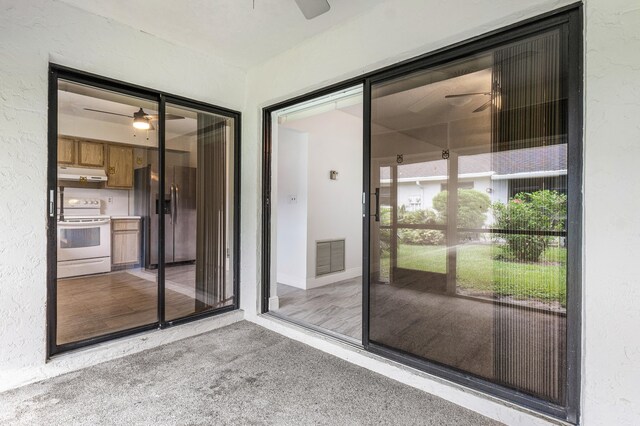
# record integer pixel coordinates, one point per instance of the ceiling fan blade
(459, 95)
(166, 116)
(107, 112)
(483, 106)
(312, 8)
(420, 105)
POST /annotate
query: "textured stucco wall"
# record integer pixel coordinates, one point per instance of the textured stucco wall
(33, 33)
(611, 341)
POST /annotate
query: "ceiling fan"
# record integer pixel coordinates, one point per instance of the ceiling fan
(467, 96)
(313, 8)
(141, 120)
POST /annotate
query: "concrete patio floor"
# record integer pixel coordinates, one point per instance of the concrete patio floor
(240, 374)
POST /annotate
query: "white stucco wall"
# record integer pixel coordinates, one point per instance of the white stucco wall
(398, 30)
(611, 340)
(32, 34)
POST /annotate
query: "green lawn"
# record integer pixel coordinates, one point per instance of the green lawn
(479, 272)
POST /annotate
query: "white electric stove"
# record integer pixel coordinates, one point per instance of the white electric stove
(84, 238)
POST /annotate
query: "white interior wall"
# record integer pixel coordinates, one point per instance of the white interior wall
(35, 33)
(113, 202)
(291, 243)
(334, 207)
(395, 31)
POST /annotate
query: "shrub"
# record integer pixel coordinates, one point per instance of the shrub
(472, 207)
(537, 211)
(424, 217)
(427, 237)
(418, 236)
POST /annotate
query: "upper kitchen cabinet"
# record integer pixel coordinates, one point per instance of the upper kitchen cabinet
(90, 154)
(66, 151)
(119, 166)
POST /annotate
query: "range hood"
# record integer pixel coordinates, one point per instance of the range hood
(81, 174)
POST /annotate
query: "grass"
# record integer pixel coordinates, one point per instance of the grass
(480, 271)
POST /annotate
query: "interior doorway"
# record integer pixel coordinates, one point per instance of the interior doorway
(316, 252)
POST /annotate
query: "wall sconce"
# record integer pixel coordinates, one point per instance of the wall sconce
(333, 175)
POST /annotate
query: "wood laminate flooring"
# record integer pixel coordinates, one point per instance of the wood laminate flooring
(336, 307)
(94, 305)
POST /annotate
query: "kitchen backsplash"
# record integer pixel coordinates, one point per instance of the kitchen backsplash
(113, 202)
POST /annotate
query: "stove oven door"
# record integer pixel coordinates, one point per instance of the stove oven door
(79, 240)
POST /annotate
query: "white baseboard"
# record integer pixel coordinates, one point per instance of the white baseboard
(334, 278)
(274, 303)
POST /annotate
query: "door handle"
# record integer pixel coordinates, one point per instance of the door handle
(377, 212)
(52, 203)
(176, 192)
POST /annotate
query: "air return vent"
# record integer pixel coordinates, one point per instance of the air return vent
(329, 257)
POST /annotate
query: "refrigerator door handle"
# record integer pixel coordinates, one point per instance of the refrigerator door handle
(171, 209)
(176, 191)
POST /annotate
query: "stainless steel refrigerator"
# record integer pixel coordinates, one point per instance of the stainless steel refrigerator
(179, 208)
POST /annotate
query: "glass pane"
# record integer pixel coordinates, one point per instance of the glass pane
(107, 166)
(483, 290)
(316, 213)
(79, 238)
(199, 217)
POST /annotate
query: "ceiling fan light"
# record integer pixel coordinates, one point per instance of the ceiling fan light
(141, 123)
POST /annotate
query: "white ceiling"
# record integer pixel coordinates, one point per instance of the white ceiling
(230, 29)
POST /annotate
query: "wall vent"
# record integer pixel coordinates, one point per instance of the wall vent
(329, 257)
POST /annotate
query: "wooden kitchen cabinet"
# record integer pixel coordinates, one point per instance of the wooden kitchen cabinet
(125, 242)
(119, 166)
(66, 151)
(90, 154)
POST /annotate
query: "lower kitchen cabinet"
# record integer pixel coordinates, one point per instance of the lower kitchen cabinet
(125, 242)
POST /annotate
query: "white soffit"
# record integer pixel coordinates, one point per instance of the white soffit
(234, 30)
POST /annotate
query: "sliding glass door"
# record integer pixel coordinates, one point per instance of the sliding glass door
(101, 285)
(199, 219)
(468, 228)
(142, 211)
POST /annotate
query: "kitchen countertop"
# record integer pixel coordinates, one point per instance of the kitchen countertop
(125, 217)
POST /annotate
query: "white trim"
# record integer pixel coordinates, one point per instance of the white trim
(439, 178)
(544, 173)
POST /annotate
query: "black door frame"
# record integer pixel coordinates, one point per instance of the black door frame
(569, 20)
(57, 72)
